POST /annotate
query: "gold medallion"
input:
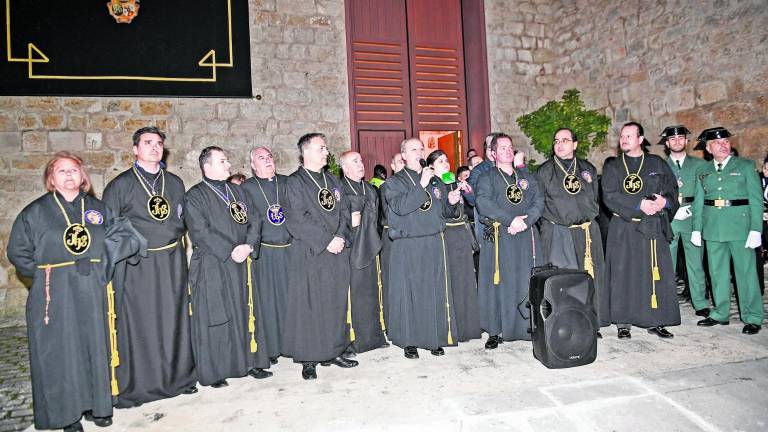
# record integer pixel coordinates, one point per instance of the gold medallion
(633, 183)
(238, 212)
(158, 207)
(77, 239)
(427, 204)
(571, 184)
(326, 199)
(514, 194)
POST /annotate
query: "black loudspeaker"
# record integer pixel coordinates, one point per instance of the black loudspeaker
(563, 318)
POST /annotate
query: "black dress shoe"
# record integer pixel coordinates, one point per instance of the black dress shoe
(308, 371)
(74, 427)
(709, 322)
(259, 373)
(703, 312)
(751, 329)
(340, 362)
(411, 352)
(661, 332)
(599, 335)
(349, 353)
(98, 421)
(220, 384)
(190, 390)
(492, 342)
(438, 352)
(624, 333)
(273, 360)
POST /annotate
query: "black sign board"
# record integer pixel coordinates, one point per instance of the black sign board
(125, 48)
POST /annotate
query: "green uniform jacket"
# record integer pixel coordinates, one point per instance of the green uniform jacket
(686, 184)
(737, 180)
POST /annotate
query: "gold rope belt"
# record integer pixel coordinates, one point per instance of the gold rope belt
(447, 303)
(655, 273)
(381, 295)
(589, 265)
(454, 224)
(251, 318)
(162, 248)
(633, 219)
(270, 245)
(349, 314)
(111, 316)
(497, 272)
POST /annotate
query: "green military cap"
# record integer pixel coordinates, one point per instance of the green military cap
(711, 134)
(672, 131)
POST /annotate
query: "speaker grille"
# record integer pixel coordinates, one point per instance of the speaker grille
(570, 335)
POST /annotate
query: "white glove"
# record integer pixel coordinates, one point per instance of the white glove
(696, 238)
(683, 213)
(753, 240)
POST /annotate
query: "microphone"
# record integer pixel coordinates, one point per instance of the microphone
(423, 163)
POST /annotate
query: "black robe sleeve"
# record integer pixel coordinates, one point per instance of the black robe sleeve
(201, 231)
(300, 220)
(485, 202)
(403, 200)
(21, 247)
(612, 182)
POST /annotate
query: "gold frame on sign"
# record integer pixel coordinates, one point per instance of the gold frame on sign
(35, 55)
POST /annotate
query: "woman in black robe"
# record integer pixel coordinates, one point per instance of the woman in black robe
(67, 242)
(459, 242)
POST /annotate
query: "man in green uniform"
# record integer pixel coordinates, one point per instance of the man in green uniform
(685, 168)
(727, 213)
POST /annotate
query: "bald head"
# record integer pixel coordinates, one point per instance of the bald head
(352, 164)
(397, 163)
(413, 151)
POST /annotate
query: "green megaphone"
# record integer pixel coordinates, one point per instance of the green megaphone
(448, 177)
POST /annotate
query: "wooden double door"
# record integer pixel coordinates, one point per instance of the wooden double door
(416, 69)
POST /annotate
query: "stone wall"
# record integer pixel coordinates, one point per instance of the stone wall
(299, 71)
(692, 62)
(521, 62)
(701, 63)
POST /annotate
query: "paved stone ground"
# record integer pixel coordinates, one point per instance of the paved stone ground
(703, 379)
(15, 388)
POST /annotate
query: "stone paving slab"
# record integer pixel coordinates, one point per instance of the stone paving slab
(710, 379)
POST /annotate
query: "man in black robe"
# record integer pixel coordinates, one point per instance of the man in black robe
(366, 285)
(510, 203)
(153, 333)
(421, 312)
(226, 321)
(318, 318)
(397, 164)
(570, 236)
(641, 191)
(265, 191)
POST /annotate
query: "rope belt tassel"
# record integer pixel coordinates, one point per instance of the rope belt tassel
(349, 315)
(589, 265)
(497, 272)
(447, 303)
(115, 355)
(381, 294)
(655, 276)
(251, 318)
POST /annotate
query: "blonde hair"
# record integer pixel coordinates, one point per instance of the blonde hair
(49, 167)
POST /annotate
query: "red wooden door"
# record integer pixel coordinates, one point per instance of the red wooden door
(377, 53)
(436, 56)
(407, 73)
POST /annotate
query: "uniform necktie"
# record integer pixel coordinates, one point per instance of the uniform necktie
(719, 167)
(678, 164)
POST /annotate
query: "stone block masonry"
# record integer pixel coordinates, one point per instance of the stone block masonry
(700, 63)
